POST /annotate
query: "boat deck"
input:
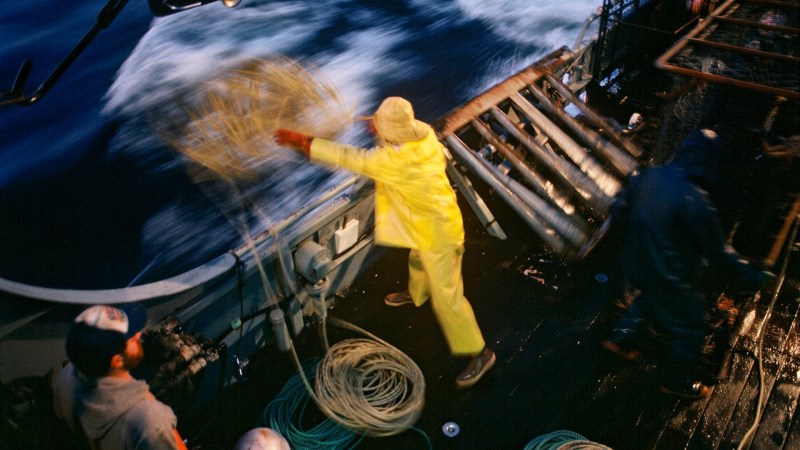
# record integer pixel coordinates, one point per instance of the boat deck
(545, 321)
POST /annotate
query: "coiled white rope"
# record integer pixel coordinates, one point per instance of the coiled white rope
(369, 385)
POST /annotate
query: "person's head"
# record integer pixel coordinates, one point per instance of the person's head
(261, 439)
(394, 121)
(701, 157)
(105, 338)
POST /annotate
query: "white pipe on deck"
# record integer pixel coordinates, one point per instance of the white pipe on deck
(632, 148)
(622, 161)
(538, 182)
(533, 218)
(604, 180)
(568, 174)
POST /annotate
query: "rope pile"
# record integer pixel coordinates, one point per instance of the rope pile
(370, 386)
(286, 411)
(366, 387)
(228, 130)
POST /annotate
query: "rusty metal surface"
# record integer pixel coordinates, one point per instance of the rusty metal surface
(478, 105)
(748, 44)
(558, 174)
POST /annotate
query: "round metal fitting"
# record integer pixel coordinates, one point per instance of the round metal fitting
(450, 429)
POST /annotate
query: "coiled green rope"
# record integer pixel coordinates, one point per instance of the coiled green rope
(282, 415)
(563, 440)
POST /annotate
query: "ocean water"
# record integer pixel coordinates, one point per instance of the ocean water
(90, 196)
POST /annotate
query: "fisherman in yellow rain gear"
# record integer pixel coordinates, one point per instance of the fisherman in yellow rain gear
(415, 208)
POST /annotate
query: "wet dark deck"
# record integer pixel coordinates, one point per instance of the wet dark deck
(550, 373)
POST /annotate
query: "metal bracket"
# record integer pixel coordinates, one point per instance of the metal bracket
(474, 199)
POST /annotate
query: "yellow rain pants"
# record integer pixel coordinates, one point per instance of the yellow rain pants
(436, 274)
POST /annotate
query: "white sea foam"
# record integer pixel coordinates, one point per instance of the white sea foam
(548, 23)
(192, 46)
(363, 50)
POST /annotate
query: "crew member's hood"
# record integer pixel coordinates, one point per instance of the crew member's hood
(700, 156)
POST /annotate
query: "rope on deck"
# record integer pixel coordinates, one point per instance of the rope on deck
(365, 387)
(369, 385)
(286, 411)
(563, 440)
(760, 337)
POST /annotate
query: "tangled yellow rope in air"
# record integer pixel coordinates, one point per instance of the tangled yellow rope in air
(229, 130)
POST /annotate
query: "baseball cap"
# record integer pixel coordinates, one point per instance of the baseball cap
(262, 439)
(99, 333)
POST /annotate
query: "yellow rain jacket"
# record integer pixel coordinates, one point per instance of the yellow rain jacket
(415, 206)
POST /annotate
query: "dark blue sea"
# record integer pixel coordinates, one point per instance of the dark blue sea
(91, 197)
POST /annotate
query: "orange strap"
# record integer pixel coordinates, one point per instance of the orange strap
(181, 445)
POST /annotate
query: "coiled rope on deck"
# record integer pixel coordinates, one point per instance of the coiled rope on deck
(364, 386)
(286, 411)
(369, 385)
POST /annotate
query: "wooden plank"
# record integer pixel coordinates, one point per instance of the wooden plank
(745, 410)
(711, 415)
(792, 347)
(611, 401)
(775, 424)
(607, 413)
(496, 404)
(627, 408)
(713, 412)
(657, 428)
(560, 362)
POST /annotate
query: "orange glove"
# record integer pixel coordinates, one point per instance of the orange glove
(293, 139)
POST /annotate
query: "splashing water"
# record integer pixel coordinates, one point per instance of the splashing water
(102, 201)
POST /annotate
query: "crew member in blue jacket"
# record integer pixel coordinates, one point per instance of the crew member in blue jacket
(671, 233)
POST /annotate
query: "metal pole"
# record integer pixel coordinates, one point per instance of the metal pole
(528, 214)
(601, 121)
(474, 200)
(621, 161)
(568, 174)
(604, 180)
(543, 187)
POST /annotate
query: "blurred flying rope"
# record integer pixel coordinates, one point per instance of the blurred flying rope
(229, 130)
(226, 129)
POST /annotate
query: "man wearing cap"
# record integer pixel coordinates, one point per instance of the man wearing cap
(415, 208)
(95, 393)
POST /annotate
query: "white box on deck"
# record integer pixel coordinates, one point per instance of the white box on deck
(345, 237)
